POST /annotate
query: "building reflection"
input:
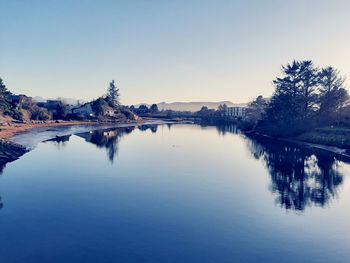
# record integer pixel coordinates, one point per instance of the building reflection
(300, 177)
(108, 139)
(223, 129)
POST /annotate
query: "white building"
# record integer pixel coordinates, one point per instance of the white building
(235, 112)
(84, 109)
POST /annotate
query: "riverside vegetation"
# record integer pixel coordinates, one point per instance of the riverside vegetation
(309, 104)
(19, 113)
(23, 109)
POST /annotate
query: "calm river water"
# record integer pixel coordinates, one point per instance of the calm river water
(174, 193)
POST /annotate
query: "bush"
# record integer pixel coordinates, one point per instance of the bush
(40, 114)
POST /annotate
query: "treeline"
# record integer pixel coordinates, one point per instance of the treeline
(22, 108)
(215, 116)
(305, 97)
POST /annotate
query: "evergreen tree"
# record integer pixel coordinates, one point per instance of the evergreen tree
(295, 98)
(5, 106)
(113, 94)
(333, 95)
(310, 79)
(154, 108)
(3, 89)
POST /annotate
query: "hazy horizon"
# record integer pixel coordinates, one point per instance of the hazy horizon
(165, 51)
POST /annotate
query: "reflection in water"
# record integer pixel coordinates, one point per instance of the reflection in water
(152, 127)
(108, 139)
(2, 166)
(223, 129)
(59, 141)
(300, 177)
(1, 203)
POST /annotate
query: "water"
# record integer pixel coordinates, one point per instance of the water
(174, 193)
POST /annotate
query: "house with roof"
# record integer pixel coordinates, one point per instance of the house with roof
(85, 109)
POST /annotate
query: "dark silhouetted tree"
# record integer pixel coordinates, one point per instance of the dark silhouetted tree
(113, 94)
(143, 109)
(3, 89)
(333, 95)
(255, 112)
(310, 81)
(154, 108)
(4, 103)
(295, 98)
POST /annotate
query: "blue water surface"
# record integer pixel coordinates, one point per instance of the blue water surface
(174, 193)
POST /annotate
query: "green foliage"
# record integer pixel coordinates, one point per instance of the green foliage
(154, 108)
(3, 89)
(143, 109)
(304, 97)
(38, 113)
(254, 113)
(338, 137)
(113, 94)
(5, 105)
(61, 111)
(333, 95)
(99, 106)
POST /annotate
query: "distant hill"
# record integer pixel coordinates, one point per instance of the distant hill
(192, 106)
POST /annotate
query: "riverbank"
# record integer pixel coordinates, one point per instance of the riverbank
(328, 136)
(314, 140)
(9, 152)
(8, 131)
(16, 140)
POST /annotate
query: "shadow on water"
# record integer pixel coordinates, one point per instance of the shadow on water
(300, 176)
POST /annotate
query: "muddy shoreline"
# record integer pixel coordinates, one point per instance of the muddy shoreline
(9, 152)
(18, 140)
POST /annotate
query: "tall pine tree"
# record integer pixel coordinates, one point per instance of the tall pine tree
(113, 94)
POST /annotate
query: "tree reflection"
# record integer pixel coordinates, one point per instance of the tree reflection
(2, 166)
(108, 139)
(60, 141)
(300, 177)
(145, 127)
(1, 203)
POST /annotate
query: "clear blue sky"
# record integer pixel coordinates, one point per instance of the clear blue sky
(165, 50)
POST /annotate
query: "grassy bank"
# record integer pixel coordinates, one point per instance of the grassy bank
(338, 137)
